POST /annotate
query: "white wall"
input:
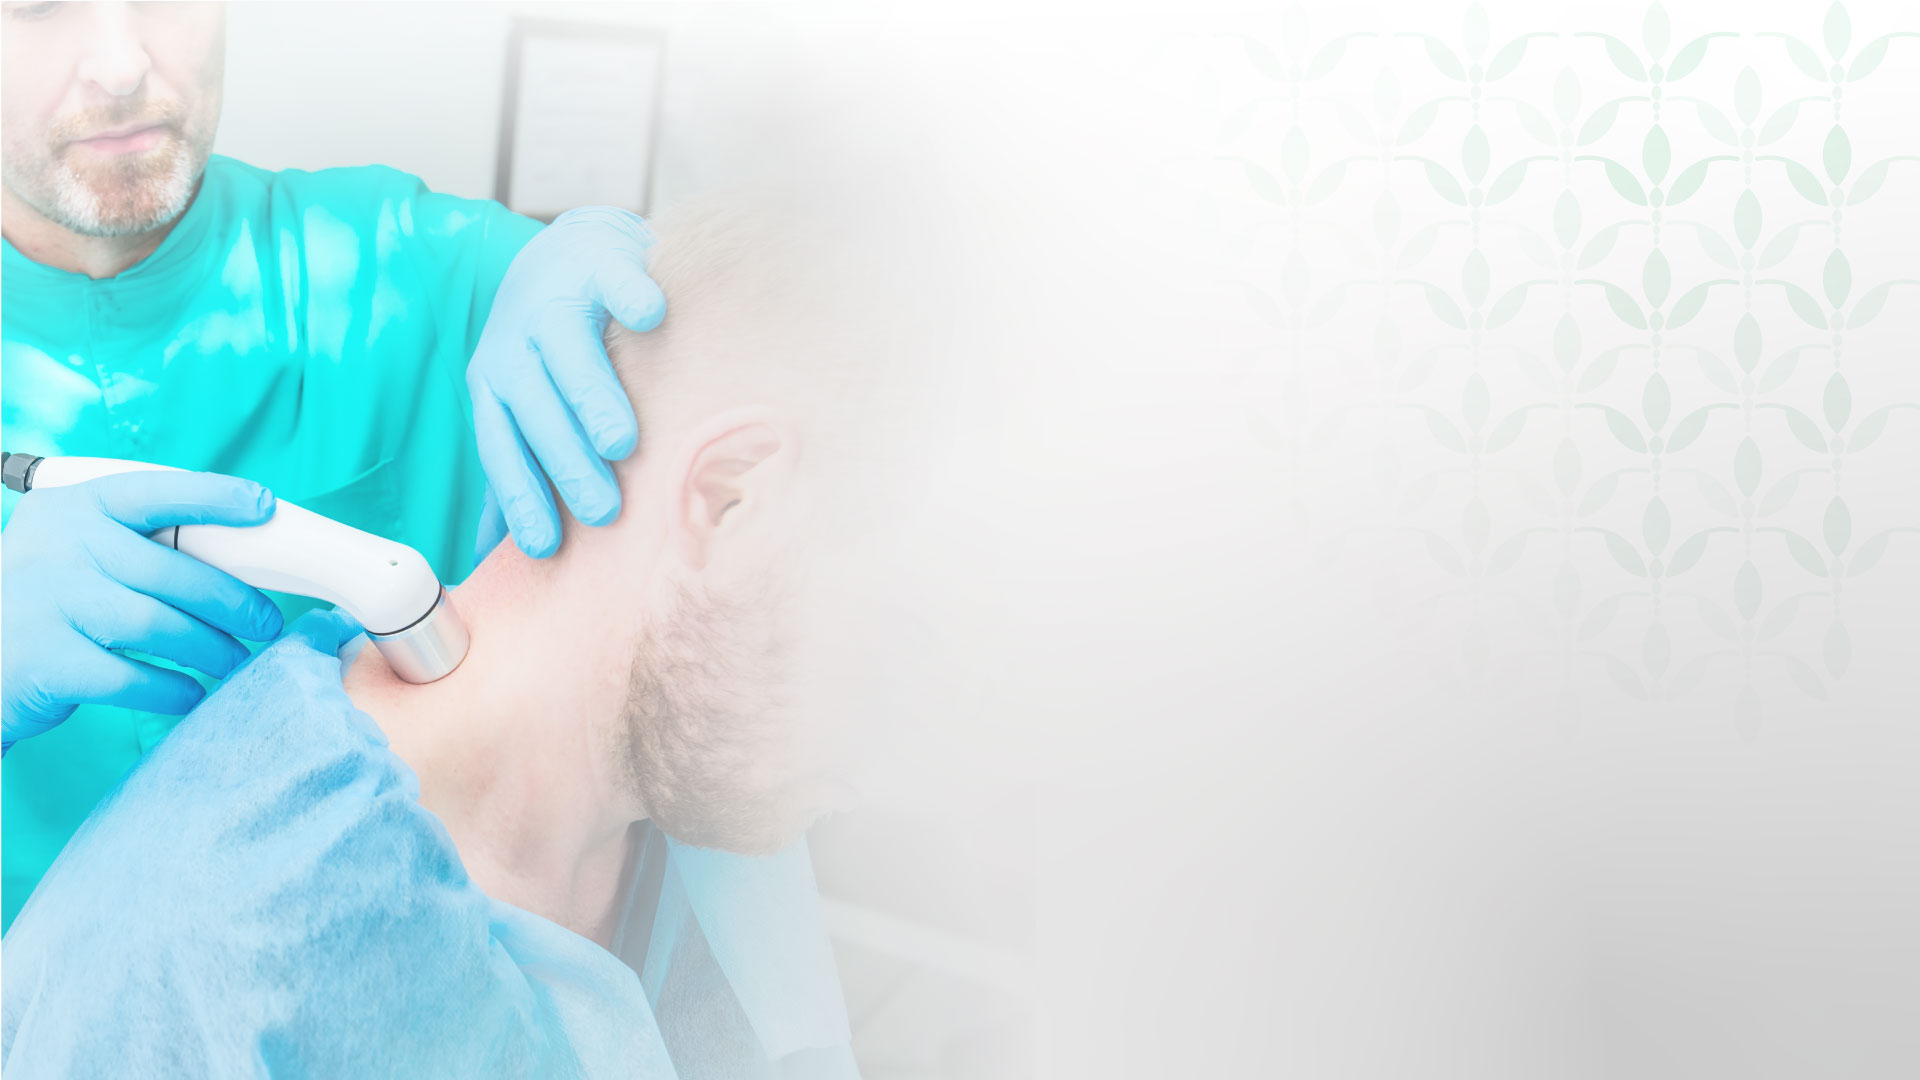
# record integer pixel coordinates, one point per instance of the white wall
(418, 86)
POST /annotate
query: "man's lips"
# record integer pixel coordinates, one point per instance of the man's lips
(126, 139)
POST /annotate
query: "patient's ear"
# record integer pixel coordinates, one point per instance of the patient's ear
(728, 475)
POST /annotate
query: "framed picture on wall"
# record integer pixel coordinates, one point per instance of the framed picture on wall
(578, 121)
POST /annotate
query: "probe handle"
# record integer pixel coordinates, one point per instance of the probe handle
(385, 585)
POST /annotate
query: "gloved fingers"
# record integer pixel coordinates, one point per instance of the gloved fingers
(575, 354)
(513, 478)
(149, 500)
(577, 470)
(492, 530)
(623, 287)
(324, 630)
(212, 596)
(105, 678)
(124, 619)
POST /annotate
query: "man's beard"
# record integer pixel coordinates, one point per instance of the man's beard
(708, 738)
(123, 195)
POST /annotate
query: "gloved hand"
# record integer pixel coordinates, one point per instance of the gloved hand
(546, 402)
(81, 579)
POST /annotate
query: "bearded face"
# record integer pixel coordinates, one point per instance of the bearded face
(108, 125)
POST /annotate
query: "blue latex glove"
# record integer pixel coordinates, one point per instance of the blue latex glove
(546, 401)
(81, 580)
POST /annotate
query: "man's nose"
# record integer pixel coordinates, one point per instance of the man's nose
(116, 58)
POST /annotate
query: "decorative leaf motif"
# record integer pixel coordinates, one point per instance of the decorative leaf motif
(1417, 123)
(1599, 494)
(1746, 466)
(1506, 431)
(1566, 342)
(1655, 649)
(1263, 59)
(1445, 185)
(1474, 153)
(1506, 183)
(1837, 648)
(1716, 123)
(1624, 183)
(1869, 306)
(1625, 306)
(1804, 677)
(1566, 95)
(1598, 247)
(1656, 154)
(1598, 371)
(1324, 60)
(1806, 183)
(1837, 30)
(1688, 429)
(1654, 31)
(1746, 341)
(1444, 60)
(1838, 401)
(1868, 555)
(1293, 154)
(1869, 182)
(1804, 58)
(1838, 277)
(1688, 58)
(1805, 554)
(1324, 184)
(1869, 429)
(1779, 123)
(1746, 95)
(1805, 429)
(1507, 553)
(1655, 401)
(1869, 58)
(1625, 677)
(1506, 59)
(1837, 526)
(1473, 278)
(1689, 305)
(1779, 494)
(1746, 589)
(1655, 278)
(1444, 430)
(1656, 525)
(1624, 429)
(1715, 248)
(1598, 124)
(1566, 219)
(1688, 553)
(1805, 306)
(1444, 554)
(1624, 554)
(1623, 57)
(1746, 219)
(1598, 619)
(1506, 307)
(1566, 466)
(1688, 182)
(1473, 31)
(1474, 402)
(1837, 154)
(1264, 184)
(1444, 307)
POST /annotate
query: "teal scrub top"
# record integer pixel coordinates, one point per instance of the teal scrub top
(308, 330)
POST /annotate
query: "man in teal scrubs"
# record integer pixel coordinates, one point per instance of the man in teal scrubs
(319, 333)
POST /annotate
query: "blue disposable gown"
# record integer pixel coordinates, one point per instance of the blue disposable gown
(265, 896)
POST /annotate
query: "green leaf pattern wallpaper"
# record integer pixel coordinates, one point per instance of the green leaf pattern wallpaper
(1610, 314)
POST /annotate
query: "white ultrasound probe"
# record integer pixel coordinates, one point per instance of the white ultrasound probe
(387, 586)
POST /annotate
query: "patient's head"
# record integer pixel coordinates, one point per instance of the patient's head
(750, 427)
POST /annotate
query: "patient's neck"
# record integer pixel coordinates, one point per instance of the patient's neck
(511, 749)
